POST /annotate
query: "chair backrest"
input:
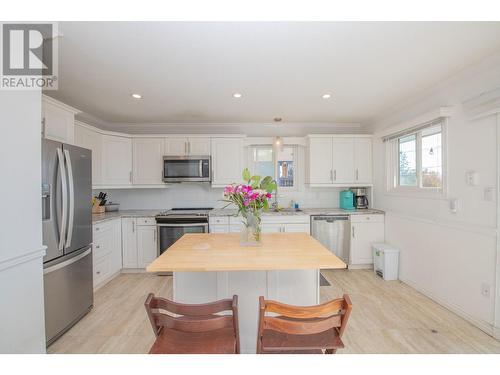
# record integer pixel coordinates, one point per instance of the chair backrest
(304, 320)
(191, 317)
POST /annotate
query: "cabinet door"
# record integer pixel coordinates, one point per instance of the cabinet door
(117, 160)
(298, 228)
(219, 228)
(116, 263)
(147, 161)
(58, 123)
(320, 161)
(363, 160)
(176, 146)
(88, 138)
(227, 160)
(147, 246)
(129, 242)
(199, 146)
(272, 228)
(343, 160)
(363, 235)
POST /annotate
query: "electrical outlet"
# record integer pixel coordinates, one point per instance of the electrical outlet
(485, 290)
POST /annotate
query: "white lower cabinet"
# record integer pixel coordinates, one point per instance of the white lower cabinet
(147, 247)
(139, 242)
(365, 230)
(270, 224)
(107, 251)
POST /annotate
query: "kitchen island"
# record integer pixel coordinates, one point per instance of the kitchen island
(207, 267)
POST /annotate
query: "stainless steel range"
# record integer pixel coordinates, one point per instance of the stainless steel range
(174, 223)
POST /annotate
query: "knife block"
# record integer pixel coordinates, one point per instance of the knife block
(98, 209)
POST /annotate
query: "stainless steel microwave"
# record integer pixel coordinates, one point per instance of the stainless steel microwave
(187, 169)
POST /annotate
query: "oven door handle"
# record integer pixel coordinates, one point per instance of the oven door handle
(183, 225)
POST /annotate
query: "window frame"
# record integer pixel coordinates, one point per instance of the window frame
(274, 150)
(393, 173)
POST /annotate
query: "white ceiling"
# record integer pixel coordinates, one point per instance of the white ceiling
(187, 72)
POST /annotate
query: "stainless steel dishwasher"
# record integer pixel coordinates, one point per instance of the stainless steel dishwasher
(333, 232)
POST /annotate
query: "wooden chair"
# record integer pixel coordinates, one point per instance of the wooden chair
(195, 329)
(296, 329)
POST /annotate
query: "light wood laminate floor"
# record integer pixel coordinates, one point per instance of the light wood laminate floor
(387, 317)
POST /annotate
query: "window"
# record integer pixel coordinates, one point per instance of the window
(415, 159)
(280, 164)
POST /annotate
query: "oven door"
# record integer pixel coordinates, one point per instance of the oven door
(170, 233)
(186, 169)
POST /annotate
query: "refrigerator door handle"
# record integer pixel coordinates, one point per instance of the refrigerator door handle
(71, 198)
(67, 262)
(64, 189)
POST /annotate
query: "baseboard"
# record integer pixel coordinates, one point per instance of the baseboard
(104, 282)
(481, 324)
(133, 270)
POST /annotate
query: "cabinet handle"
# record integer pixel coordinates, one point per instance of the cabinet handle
(98, 272)
(334, 175)
(185, 148)
(189, 147)
(331, 175)
(353, 232)
(98, 247)
(130, 176)
(133, 226)
(154, 239)
(357, 174)
(97, 228)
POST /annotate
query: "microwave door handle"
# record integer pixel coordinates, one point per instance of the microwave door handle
(200, 168)
(64, 190)
(71, 198)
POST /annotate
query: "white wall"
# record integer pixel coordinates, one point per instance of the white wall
(22, 323)
(450, 256)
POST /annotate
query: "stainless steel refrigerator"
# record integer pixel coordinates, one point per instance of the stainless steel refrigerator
(67, 233)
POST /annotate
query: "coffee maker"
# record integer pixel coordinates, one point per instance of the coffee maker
(360, 198)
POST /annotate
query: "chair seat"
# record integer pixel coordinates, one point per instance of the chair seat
(170, 341)
(277, 342)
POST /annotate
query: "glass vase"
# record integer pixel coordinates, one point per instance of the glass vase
(251, 230)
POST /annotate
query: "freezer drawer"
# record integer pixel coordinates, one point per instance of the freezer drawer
(68, 292)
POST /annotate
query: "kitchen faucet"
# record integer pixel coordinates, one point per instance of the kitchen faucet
(274, 205)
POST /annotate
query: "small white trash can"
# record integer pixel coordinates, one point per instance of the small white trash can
(385, 261)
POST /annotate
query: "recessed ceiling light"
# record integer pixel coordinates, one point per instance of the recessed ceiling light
(237, 95)
(136, 96)
(326, 96)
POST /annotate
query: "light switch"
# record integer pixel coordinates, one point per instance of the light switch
(454, 205)
(471, 178)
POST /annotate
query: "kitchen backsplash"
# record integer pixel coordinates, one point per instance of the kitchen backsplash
(200, 195)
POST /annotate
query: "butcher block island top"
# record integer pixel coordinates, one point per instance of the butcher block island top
(204, 252)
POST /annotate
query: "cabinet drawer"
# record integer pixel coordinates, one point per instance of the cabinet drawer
(219, 220)
(101, 269)
(375, 218)
(146, 221)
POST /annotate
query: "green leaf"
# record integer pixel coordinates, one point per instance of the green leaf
(246, 175)
(255, 179)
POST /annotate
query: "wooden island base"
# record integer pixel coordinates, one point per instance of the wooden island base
(296, 287)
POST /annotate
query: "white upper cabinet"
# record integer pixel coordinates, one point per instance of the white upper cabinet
(116, 160)
(183, 146)
(343, 160)
(227, 160)
(147, 161)
(339, 160)
(88, 138)
(363, 160)
(58, 120)
(199, 146)
(320, 161)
